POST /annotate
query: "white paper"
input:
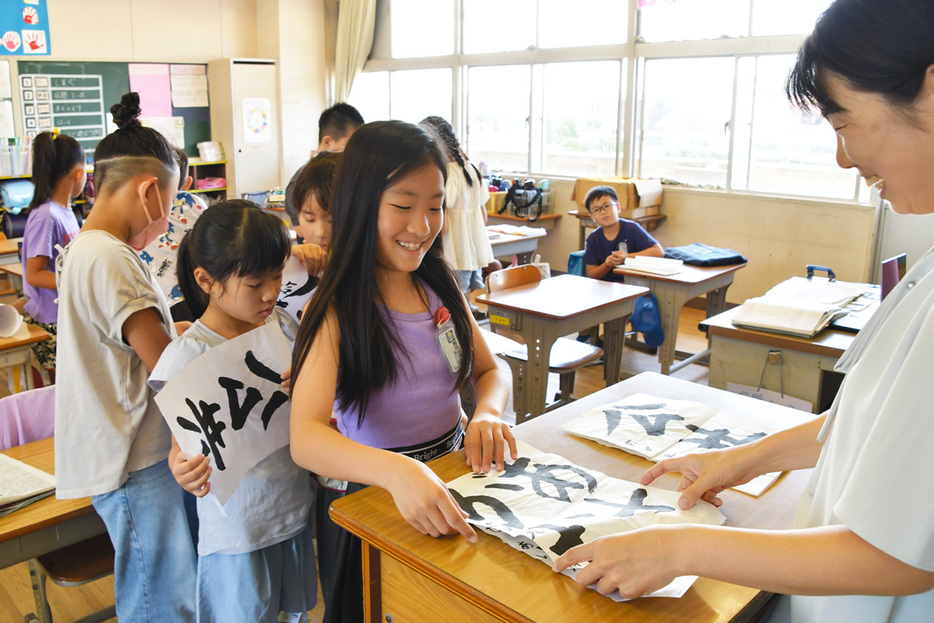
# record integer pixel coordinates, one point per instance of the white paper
(10, 320)
(6, 86)
(19, 480)
(542, 505)
(228, 404)
(297, 288)
(662, 428)
(172, 128)
(767, 395)
(257, 120)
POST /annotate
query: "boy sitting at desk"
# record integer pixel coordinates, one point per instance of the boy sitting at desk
(615, 239)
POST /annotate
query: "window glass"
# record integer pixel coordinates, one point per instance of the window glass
(419, 28)
(418, 93)
(498, 116)
(687, 20)
(560, 26)
(785, 17)
(370, 95)
(497, 26)
(792, 152)
(581, 110)
(685, 119)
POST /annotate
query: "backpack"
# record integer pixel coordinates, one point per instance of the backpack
(523, 200)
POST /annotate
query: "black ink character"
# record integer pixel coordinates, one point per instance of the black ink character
(613, 416)
(542, 474)
(568, 537)
(208, 426)
(240, 411)
(635, 503)
(502, 511)
(718, 438)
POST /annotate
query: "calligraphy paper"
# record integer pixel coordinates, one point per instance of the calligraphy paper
(662, 428)
(228, 404)
(543, 505)
(297, 288)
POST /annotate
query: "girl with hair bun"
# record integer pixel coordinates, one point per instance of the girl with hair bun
(59, 176)
(111, 442)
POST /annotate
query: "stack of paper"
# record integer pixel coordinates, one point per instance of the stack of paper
(22, 484)
(653, 265)
(798, 306)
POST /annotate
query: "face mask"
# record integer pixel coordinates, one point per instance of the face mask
(155, 228)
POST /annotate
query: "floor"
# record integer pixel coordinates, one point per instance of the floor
(68, 604)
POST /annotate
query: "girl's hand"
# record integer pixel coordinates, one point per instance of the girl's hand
(424, 501)
(286, 380)
(706, 474)
(635, 563)
(487, 437)
(192, 474)
(312, 257)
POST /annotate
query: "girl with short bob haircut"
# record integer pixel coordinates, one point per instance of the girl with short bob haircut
(370, 345)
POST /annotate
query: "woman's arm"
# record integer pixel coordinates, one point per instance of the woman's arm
(421, 497)
(829, 560)
(36, 274)
(487, 434)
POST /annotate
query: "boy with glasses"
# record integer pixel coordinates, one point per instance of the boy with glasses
(615, 239)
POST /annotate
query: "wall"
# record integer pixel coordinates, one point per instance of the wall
(778, 236)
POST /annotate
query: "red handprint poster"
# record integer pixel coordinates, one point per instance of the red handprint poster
(24, 28)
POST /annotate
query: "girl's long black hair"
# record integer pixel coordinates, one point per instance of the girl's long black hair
(445, 132)
(53, 157)
(234, 238)
(378, 155)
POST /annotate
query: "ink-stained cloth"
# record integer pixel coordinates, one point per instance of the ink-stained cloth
(465, 241)
(106, 422)
(48, 225)
(273, 501)
(597, 248)
(873, 475)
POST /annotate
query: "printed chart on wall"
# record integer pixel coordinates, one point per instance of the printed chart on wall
(76, 97)
(24, 28)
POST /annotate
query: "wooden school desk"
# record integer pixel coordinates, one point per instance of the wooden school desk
(14, 271)
(544, 311)
(412, 577)
(50, 523)
(673, 291)
(15, 350)
(806, 365)
(507, 245)
(9, 250)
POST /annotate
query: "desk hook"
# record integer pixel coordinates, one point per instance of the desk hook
(774, 356)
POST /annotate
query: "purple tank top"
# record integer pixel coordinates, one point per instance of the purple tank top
(422, 403)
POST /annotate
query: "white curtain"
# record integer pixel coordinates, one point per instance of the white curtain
(355, 24)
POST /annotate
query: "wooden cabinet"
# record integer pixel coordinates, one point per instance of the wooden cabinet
(203, 170)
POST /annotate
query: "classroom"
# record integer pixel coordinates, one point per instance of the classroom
(688, 95)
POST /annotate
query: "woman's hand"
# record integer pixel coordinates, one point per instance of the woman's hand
(634, 563)
(704, 475)
(424, 501)
(486, 441)
(312, 257)
(192, 474)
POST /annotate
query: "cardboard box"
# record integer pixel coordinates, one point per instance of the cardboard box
(495, 202)
(636, 197)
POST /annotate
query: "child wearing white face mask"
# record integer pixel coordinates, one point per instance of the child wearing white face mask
(111, 442)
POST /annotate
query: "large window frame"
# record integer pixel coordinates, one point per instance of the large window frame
(631, 55)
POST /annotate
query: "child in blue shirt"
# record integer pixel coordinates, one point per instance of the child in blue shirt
(615, 239)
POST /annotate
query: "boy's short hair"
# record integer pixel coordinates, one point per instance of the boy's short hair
(338, 121)
(599, 191)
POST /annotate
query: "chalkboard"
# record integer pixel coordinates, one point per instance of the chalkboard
(76, 97)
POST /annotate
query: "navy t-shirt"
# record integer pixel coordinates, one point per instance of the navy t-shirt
(631, 236)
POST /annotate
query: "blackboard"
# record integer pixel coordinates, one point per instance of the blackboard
(88, 96)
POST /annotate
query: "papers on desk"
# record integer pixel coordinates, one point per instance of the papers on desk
(653, 265)
(22, 484)
(817, 290)
(543, 505)
(662, 428)
(514, 230)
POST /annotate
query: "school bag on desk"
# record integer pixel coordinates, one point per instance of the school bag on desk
(523, 200)
(699, 254)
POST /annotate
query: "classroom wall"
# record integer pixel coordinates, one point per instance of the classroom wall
(778, 236)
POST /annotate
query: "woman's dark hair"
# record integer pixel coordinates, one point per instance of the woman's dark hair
(234, 238)
(378, 155)
(131, 149)
(53, 157)
(317, 179)
(877, 46)
(445, 132)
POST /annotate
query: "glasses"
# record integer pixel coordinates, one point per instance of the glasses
(604, 208)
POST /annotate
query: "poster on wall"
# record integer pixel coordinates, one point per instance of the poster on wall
(24, 28)
(257, 120)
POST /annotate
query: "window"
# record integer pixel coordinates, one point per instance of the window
(544, 88)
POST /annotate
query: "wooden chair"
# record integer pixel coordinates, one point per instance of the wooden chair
(566, 355)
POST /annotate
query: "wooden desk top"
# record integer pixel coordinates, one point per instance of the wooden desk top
(15, 268)
(562, 297)
(498, 237)
(827, 343)
(9, 246)
(688, 273)
(519, 588)
(35, 335)
(48, 511)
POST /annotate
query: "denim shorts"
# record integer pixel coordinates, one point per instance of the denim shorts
(154, 562)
